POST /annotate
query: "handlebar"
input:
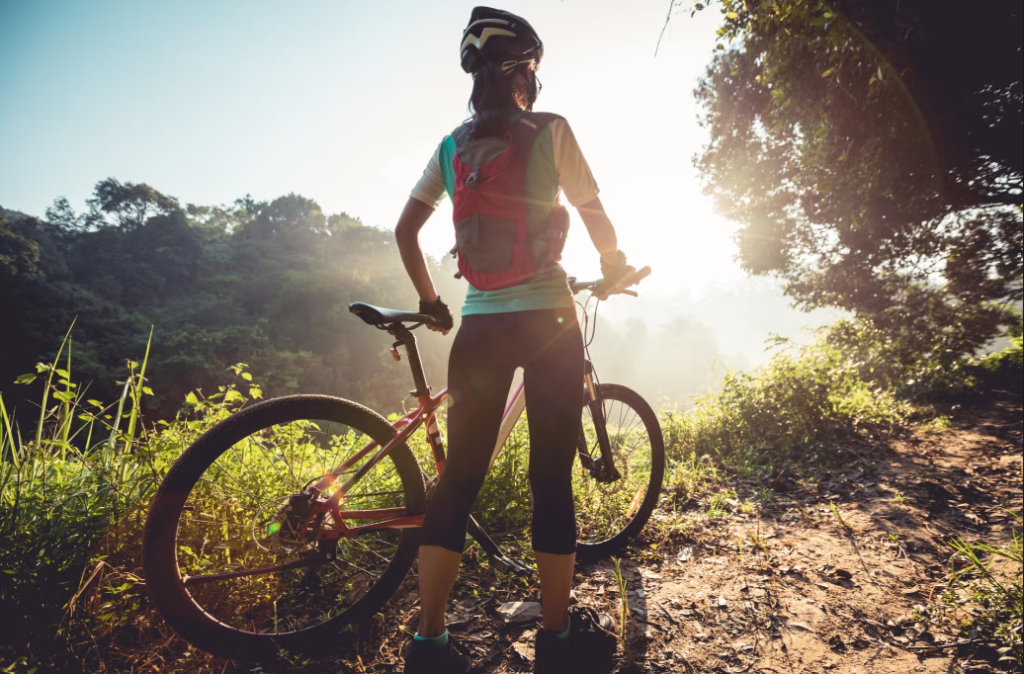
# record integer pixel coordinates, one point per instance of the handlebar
(619, 289)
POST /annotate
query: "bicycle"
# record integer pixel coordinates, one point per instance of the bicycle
(309, 506)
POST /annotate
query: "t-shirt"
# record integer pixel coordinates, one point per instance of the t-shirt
(555, 163)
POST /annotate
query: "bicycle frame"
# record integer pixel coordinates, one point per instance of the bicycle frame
(424, 415)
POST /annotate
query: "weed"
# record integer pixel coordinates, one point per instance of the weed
(985, 598)
(719, 503)
(624, 601)
(937, 424)
(839, 516)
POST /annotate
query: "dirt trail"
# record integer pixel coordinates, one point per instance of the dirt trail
(782, 586)
(809, 591)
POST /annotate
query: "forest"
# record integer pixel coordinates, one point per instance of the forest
(851, 505)
(267, 284)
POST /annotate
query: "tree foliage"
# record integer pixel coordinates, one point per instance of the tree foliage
(266, 283)
(871, 152)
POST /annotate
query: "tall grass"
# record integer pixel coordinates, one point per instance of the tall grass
(62, 484)
(74, 487)
(984, 598)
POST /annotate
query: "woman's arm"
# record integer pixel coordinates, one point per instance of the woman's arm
(599, 227)
(407, 234)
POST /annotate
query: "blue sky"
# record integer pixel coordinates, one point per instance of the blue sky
(344, 102)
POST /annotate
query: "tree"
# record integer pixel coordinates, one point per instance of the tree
(135, 245)
(871, 152)
(264, 283)
(19, 256)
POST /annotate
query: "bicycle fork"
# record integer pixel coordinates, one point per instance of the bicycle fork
(602, 469)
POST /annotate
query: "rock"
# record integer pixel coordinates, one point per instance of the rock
(516, 612)
(524, 650)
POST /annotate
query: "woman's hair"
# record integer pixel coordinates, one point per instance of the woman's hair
(495, 94)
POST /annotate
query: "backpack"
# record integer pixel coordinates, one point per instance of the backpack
(495, 244)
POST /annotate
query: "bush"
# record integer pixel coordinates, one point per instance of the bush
(800, 408)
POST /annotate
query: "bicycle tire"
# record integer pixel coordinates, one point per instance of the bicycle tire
(590, 552)
(160, 562)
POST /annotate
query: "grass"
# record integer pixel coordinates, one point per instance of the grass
(839, 516)
(796, 413)
(984, 599)
(620, 579)
(75, 482)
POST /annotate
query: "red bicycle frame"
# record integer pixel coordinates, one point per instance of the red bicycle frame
(388, 518)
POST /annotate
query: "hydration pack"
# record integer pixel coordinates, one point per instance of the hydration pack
(497, 246)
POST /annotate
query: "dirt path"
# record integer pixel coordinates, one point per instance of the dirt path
(779, 585)
(808, 589)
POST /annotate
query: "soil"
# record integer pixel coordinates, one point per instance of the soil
(784, 585)
(825, 591)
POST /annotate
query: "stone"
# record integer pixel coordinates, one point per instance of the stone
(517, 612)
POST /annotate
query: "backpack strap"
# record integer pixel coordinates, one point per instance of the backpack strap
(524, 131)
(461, 135)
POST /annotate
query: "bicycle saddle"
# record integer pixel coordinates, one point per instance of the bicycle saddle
(381, 317)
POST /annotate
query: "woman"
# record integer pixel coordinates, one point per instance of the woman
(504, 168)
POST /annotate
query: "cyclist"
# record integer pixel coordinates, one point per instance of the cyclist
(516, 314)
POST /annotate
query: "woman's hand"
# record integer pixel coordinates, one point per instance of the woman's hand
(440, 312)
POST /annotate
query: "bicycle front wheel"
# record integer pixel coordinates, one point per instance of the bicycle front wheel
(233, 559)
(609, 514)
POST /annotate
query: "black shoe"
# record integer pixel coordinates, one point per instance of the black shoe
(426, 657)
(590, 646)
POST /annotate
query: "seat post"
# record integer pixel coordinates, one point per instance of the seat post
(412, 352)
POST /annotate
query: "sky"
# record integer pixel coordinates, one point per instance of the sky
(344, 102)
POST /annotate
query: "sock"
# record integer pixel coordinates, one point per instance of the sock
(565, 635)
(440, 641)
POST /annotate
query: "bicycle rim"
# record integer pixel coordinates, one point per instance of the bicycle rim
(234, 520)
(609, 514)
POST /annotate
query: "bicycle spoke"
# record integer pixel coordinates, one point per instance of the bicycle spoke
(245, 465)
(270, 460)
(191, 581)
(217, 485)
(605, 509)
(355, 566)
(367, 548)
(231, 539)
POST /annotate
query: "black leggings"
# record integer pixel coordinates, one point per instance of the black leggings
(488, 348)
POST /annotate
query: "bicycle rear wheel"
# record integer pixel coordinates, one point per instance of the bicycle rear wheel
(223, 563)
(609, 514)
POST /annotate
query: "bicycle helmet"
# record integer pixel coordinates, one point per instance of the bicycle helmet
(502, 37)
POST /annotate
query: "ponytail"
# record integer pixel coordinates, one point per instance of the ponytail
(494, 97)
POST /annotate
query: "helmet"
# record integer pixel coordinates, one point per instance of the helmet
(494, 35)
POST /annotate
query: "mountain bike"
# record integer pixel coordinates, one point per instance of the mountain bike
(296, 519)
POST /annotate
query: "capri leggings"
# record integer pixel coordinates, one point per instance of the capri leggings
(488, 348)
